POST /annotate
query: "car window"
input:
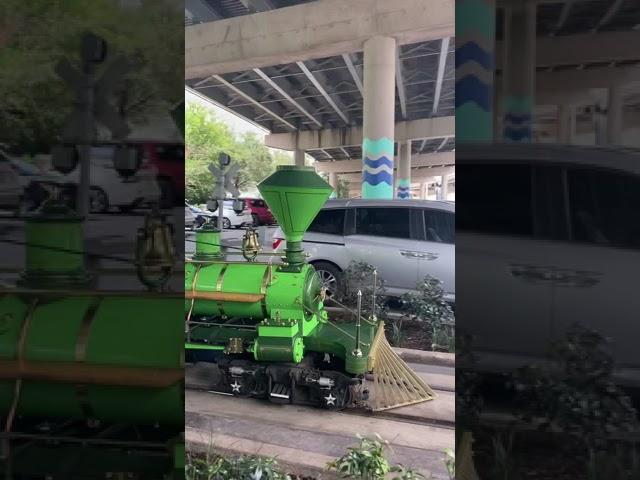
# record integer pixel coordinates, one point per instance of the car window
(439, 226)
(604, 207)
(383, 222)
(549, 208)
(258, 203)
(24, 168)
(494, 199)
(329, 221)
(173, 153)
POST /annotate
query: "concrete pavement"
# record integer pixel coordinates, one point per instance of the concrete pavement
(307, 438)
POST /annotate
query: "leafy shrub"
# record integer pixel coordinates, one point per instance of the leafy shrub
(367, 461)
(428, 306)
(358, 276)
(580, 398)
(450, 462)
(245, 467)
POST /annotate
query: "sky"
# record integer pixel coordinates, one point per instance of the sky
(237, 124)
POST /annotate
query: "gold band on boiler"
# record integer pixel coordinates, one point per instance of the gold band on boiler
(82, 390)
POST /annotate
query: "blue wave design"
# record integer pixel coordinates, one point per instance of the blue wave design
(517, 118)
(375, 179)
(377, 163)
(471, 89)
(472, 52)
(517, 134)
(403, 195)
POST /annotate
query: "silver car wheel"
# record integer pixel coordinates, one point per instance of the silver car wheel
(329, 281)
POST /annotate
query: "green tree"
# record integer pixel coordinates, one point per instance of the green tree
(256, 162)
(205, 138)
(36, 34)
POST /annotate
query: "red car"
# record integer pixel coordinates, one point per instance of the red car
(168, 159)
(259, 211)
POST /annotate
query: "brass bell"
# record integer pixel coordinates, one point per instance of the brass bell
(154, 250)
(250, 245)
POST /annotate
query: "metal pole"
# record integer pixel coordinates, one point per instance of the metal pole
(220, 190)
(84, 149)
(373, 305)
(357, 352)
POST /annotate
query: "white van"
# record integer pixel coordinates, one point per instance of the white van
(548, 236)
(404, 239)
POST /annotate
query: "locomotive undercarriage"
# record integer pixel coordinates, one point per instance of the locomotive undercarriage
(289, 383)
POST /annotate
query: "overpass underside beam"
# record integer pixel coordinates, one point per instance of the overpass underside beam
(426, 128)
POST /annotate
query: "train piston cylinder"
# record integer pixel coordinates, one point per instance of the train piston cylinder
(278, 349)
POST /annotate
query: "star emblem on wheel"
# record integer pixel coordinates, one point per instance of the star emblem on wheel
(330, 399)
(235, 386)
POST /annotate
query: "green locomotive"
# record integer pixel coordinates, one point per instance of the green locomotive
(266, 327)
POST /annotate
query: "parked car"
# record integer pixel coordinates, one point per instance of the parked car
(10, 189)
(404, 239)
(23, 187)
(168, 160)
(108, 189)
(548, 236)
(231, 218)
(189, 218)
(260, 212)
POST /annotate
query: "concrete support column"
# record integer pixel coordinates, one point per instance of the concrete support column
(298, 157)
(379, 117)
(444, 187)
(614, 116)
(475, 63)
(519, 71)
(403, 183)
(333, 181)
(564, 123)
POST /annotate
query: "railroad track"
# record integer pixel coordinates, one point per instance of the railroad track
(439, 412)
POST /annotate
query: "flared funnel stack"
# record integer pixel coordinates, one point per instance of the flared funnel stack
(295, 195)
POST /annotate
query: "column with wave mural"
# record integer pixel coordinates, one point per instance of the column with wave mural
(475, 46)
(519, 71)
(378, 123)
(377, 169)
(403, 183)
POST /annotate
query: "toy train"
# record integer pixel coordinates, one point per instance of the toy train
(266, 326)
(91, 381)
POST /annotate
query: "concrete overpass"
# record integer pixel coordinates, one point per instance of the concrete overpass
(330, 77)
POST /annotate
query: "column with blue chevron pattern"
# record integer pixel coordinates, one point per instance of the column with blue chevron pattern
(403, 183)
(475, 64)
(378, 117)
(519, 71)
